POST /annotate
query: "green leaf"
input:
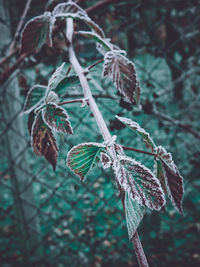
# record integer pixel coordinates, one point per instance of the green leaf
(59, 74)
(66, 83)
(123, 74)
(136, 127)
(83, 158)
(98, 39)
(34, 97)
(139, 182)
(57, 118)
(37, 32)
(43, 141)
(134, 213)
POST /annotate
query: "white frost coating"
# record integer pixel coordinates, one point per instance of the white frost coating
(166, 157)
(105, 160)
(111, 141)
(52, 23)
(135, 126)
(123, 74)
(139, 182)
(134, 215)
(52, 97)
(29, 96)
(119, 150)
(72, 10)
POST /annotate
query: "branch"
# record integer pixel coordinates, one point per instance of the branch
(101, 124)
(186, 127)
(96, 63)
(21, 22)
(72, 101)
(138, 150)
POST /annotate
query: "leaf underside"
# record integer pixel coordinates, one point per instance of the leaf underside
(173, 178)
(43, 141)
(136, 127)
(36, 33)
(95, 37)
(82, 158)
(57, 118)
(134, 213)
(123, 74)
(139, 182)
(34, 97)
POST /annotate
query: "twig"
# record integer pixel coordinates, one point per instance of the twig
(21, 22)
(138, 150)
(6, 74)
(5, 59)
(96, 63)
(101, 124)
(71, 101)
(186, 127)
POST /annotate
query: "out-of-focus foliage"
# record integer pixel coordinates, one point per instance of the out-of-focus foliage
(84, 225)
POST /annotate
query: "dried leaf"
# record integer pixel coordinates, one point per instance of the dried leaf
(136, 127)
(83, 157)
(105, 160)
(134, 213)
(139, 182)
(43, 141)
(57, 118)
(34, 97)
(123, 74)
(37, 32)
(173, 178)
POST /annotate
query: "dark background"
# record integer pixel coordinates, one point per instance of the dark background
(83, 224)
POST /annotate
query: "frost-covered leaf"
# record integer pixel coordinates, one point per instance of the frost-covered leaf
(72, 10)
(52, 97)
(34, 97)
(173, 178)
(136, 127)
(123, 74)
(37, 32)
(58, 75)
(134, 214)
(139, 182)
(83, 157)
(160, 174)
(105, 160)
(106, 45)
(57, 118)
(43, 141)
(67, 82)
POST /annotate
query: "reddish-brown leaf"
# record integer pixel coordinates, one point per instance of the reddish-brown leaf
(43, 141)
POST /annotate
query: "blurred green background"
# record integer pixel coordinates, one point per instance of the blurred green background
(83, 224)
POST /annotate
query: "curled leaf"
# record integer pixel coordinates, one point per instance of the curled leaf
(173, 178)
(57, 118)
(136, 127)
(43, 141)
(83, 158)
(34, 97)
(139, 182)
(123, 74)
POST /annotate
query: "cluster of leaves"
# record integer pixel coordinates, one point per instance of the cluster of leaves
(142, 188)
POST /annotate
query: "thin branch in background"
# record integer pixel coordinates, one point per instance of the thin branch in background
(138, 150)
(11, 54)
(20, 25)
(71, 101)
(96, 63)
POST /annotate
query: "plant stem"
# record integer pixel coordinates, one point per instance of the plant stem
(138, 150)
(71, 101)
(101, 124)
(96, 63)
